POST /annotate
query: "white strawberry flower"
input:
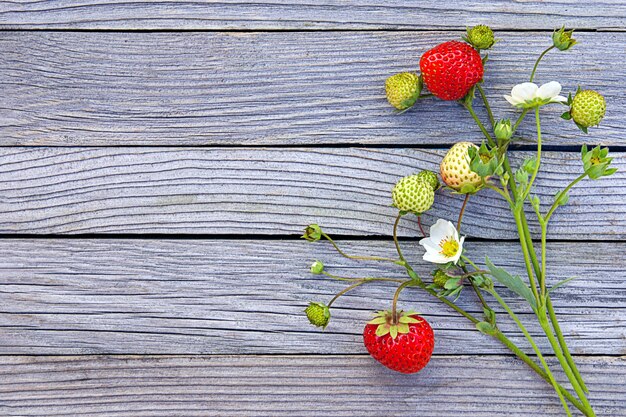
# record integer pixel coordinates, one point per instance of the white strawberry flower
(529, 95)
(443, 245)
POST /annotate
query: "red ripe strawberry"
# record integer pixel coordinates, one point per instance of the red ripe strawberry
(404, 347)
(451, 69)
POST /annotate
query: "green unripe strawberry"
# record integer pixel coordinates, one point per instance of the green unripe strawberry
(480, 37)
(403, 89)
(440, 278)
(588, 108)
(455, 169)
(318, 314)
(413, 195)
(430, 178)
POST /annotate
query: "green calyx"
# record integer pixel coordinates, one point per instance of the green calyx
(312, 233)
(414, 194)
(386, 325)
(403, 90)
(596, 162)
(484, 161)
(480, 37)
(562, 39)
(318, 314)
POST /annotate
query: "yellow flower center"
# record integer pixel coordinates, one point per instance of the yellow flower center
(595, 160)
(449, 247)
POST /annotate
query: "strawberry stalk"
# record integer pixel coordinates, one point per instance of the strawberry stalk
(530, 258)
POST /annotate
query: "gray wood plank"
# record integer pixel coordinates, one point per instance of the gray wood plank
(270, 191)
(106, 89)
(300, 14)
(275, 386)
(238, 296)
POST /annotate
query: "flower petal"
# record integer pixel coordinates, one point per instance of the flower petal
(436, 258)
(524, 91)
(558, 99)
(441, 230)
(549, 90)
(512, 100)
(429, 245)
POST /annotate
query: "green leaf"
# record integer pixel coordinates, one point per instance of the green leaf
(452, 283)
(512, 282)
(486, 328)
(378, 320)
(566, 116)
(560, 284)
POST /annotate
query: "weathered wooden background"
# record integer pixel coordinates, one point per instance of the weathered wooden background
(159, 159)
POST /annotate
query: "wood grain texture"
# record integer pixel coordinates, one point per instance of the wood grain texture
(277, 386)
(270, 191)
(247, 297)
(300, 14)
(107, 89)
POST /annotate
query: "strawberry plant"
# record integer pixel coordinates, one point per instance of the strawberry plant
(454, 71)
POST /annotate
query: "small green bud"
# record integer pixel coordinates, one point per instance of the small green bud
(480, 37)
(440, 278)
(318, 314)
(317, 267)
(430, 178)
(312, 233)
(562, 39)
(503, 129)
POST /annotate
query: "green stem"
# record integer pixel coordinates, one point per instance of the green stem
(499, 191)
(359, 258)
(519, 119)
(395, 239)
(345, 290)
(538, 162)
(561, 339)
(555, 204)
(368, 279)
(528, 361)
(487, 106)
(532, 74)
(480, 125)
(564, 364)
(535, 348)
(394, 305)
(517, 213)
(458, 224)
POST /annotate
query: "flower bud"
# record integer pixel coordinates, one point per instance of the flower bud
(480, 37)
(503, 129)
(317, 267)
(440, 278)
(312, 233)
(562, 39)
(318, 314)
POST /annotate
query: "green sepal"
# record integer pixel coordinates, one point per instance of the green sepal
(566, 116)
(378, 320)
(408, 320)
(382, 330)
(483, 161)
